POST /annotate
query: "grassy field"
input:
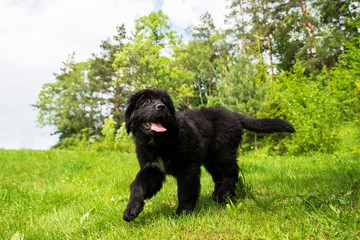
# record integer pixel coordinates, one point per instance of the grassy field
(81, 195)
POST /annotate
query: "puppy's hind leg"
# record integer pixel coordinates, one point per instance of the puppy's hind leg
(230, 171)
(215, 174)
(188, 190)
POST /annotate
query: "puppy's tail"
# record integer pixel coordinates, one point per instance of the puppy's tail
(266, 125)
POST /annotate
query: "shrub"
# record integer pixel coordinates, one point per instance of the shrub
(308, 105)
(114, 139)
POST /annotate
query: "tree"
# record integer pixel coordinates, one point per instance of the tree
(344, 81)
(149, 59)
(84, 94)
(105, 79)
(311, 31)
(208, 56)
(71, 104)
(251, 30)
(242, 89)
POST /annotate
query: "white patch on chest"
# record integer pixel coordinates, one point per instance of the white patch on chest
(159, 164)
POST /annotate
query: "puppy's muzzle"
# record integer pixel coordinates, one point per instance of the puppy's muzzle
(160, 107)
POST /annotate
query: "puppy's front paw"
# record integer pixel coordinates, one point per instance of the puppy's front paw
(132, 211)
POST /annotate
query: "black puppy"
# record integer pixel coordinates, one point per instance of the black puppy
(178, 143)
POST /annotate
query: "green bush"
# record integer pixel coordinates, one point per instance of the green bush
(123, 141)
(75, 142)
(308, 105)
(114, 139)
(111, 139)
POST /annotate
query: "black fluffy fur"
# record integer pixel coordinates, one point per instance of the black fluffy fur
(207, 136)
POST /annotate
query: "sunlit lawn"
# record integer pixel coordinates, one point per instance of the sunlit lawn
(82, 194)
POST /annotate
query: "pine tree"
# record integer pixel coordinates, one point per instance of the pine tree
(208, 57)
(106, 80)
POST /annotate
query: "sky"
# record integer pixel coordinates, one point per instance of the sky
(37, 36)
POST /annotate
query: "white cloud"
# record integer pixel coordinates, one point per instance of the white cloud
(36, 36)
(46, 31)
(187, 12)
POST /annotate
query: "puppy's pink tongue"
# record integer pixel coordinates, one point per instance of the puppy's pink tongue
(157, 127)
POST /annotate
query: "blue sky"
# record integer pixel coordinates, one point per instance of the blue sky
(36, 36)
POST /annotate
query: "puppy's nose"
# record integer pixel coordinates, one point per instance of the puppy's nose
(160, 107)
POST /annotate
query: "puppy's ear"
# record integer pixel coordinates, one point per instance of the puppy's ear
(129, 108)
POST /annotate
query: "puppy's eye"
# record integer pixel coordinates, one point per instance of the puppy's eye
(146, 102)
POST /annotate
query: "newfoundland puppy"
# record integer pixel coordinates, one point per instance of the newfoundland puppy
(178, 143)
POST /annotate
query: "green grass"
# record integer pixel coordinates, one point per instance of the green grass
(82, 195)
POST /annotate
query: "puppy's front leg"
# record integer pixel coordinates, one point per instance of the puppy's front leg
(147, 183)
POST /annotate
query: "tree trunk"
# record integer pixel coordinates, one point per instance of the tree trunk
(268, 41)
(309, 31)
(255, 141)
(116, 113)
(200, 95)
(308, 24)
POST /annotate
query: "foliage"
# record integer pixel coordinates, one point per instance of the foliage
(310, 31)
(242, 89)
(345, 81)
(114, 139)
(70, 104)
(208, 58)
(105, 78)
(149, 59)
(309, 106)
(111, 139)
(293, 59)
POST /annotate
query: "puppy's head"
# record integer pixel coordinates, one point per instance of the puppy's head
(150, 111)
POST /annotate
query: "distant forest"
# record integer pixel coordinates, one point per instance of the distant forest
(298, 60)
